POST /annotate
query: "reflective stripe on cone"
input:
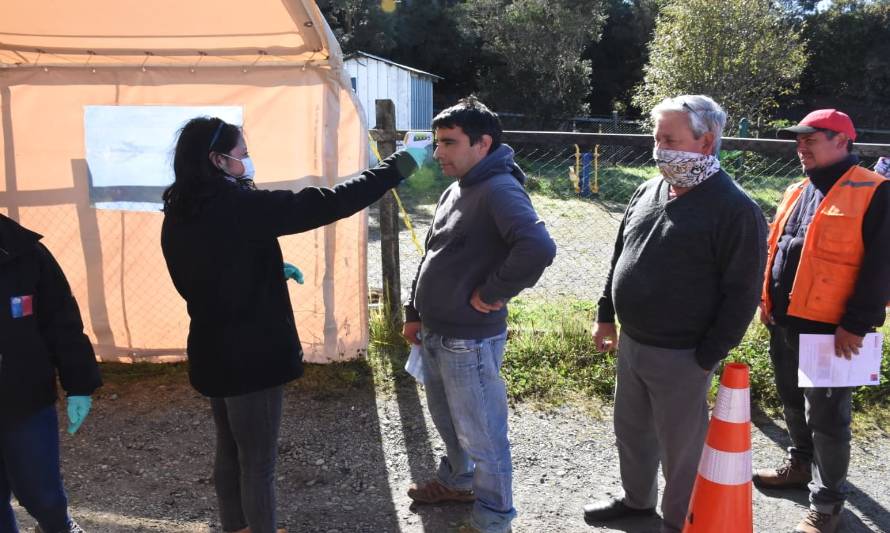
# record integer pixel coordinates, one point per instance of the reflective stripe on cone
(721, 498)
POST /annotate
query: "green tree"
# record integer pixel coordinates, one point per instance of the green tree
(360, 25)
(423, 34)
(743, 53)
(849, 64)
(532, 53)
(798, 9)
(430, 37)
(619, 56)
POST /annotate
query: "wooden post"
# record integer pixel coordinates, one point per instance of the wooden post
(389, 221)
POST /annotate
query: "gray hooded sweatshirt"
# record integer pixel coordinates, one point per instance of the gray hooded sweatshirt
(485, 234)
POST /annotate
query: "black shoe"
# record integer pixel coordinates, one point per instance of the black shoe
(606, 510)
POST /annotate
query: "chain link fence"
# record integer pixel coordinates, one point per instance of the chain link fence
(614, 123)
(580, 184)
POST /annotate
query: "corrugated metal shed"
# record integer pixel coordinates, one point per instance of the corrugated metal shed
(411, 90)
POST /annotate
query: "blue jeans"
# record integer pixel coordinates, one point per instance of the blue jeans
(467, 399)
(29, 469)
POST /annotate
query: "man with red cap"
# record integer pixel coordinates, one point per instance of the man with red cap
(827, 272)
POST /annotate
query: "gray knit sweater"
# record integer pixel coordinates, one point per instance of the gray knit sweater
(687, 272)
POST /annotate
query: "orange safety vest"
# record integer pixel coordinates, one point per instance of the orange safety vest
(832, 248)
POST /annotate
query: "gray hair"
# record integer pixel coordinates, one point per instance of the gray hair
(704, 114)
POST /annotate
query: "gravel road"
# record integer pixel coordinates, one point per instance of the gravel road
(142, 463)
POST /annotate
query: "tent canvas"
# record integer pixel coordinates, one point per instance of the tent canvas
(275, 63)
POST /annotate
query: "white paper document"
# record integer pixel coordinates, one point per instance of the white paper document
(414, 364)
(820, 367)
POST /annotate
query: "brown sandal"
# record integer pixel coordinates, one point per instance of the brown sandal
(435, 492)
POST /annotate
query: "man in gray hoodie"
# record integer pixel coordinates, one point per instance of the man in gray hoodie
(486, 244)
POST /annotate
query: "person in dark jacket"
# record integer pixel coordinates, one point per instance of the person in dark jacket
(41, 335)
(828, 272)
(486, 245)
(220, 243)
(684, 283)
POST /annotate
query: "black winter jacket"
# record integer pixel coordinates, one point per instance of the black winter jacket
(226, 263)
(866, 306)
(41, 332)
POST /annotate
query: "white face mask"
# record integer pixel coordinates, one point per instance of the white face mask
(249, 171)
(685, 169)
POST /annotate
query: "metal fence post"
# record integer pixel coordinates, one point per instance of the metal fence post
(744, 124)
(389, 221)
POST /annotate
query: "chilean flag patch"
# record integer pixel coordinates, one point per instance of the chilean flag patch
(22, 306)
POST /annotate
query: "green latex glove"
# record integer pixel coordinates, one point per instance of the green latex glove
(78, 408)
(418, 154)
(407, 161)
(292, 272)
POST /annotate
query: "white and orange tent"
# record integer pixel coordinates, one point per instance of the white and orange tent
(274, 62)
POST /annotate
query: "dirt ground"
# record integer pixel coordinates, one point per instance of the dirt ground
(142, 463)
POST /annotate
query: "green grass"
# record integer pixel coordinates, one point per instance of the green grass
(329, 377)
(551, 360)
(871, 405)
(550, 354)
(616, 183)
(425, 185)
(387, 353)
(157, 374)
(764, 178)
(766, 190)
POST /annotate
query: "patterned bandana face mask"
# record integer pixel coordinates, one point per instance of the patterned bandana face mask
(685, 169)
(882, 167)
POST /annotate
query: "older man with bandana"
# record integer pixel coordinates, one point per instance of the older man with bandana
(684, 283)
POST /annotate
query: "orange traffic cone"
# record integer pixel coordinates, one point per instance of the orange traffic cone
(721, 498)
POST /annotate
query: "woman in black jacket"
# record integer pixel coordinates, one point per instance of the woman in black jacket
(220, 244)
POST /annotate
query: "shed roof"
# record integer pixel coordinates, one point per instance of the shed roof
(354, 55)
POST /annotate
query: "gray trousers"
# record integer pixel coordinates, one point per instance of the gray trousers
(246, 451)
(818, 421)
(661, 413)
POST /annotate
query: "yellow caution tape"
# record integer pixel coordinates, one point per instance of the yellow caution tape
(405, 218)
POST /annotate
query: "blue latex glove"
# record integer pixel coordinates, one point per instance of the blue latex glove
(292, 272)
(78, 408)
(418, 154)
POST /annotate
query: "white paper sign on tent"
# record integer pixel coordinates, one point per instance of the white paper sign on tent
(129, 150)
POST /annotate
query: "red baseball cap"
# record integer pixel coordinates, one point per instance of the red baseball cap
(823, 119)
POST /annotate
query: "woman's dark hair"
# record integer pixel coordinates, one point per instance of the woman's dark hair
(191, 164)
